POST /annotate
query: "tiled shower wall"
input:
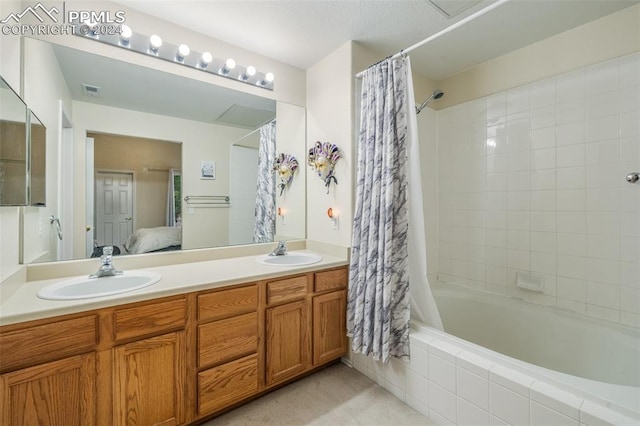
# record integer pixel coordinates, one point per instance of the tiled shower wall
(533, 180)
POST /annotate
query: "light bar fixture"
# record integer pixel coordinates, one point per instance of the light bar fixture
(181, 54)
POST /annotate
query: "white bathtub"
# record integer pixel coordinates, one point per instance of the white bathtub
(570, 369)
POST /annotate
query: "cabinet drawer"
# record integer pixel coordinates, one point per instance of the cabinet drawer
(150, 319)
(286, 290)
(43, 343)
(227, 339)
(226, 303)
(227, 384)
(331, 280)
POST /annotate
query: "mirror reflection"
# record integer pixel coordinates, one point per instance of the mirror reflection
(170, 163)
(13, 147)
(37, 161)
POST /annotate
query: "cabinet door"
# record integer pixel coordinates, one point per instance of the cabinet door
(329, 326)
(288, 341)
(149, 381)
(57, 393)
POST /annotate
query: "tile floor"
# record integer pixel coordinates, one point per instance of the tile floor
(336, 396)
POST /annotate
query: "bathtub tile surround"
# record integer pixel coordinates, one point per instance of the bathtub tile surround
(533, 180)
(468, 389)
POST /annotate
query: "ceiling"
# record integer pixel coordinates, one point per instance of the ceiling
(302, 32)
(133, 87)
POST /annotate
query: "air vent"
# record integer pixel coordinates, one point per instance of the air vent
(451, 8)
(90, 90)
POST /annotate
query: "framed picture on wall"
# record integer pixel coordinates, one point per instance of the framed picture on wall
(207, 170)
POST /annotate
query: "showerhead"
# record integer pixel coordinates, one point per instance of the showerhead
(437, 94)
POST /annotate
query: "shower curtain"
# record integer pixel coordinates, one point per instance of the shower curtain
(388, 247)
(264, 227)
(171, 202)
(378, 299)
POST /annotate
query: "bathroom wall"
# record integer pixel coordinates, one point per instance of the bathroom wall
(532, 179)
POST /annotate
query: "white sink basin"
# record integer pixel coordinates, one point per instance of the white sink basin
(86, 288)
(290, 259)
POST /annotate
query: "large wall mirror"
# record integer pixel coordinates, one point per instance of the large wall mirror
(164, 162)
(13, 147)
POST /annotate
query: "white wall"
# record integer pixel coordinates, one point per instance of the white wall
(290, 137)
(330, 119)
(44, 89)
(533, 180)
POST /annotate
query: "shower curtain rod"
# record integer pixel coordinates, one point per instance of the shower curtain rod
(253, 131)
(442, 32)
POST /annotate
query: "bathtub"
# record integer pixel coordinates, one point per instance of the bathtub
(508, 362)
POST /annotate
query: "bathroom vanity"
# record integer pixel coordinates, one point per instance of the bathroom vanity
(175, 359)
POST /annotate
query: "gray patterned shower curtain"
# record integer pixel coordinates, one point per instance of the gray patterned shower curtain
(264, 225)
(378, 300)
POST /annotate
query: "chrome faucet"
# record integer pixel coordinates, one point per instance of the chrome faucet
(281, 250)
(106, 269)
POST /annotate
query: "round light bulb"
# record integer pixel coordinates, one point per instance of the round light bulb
(269, 77)
(125, 33)
(155, 41)
(230, 64)
(183, 50)
(251, 71)
(206, 58)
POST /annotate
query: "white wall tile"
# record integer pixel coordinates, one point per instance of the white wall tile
(442, 373)
(473, 388)
(509, 406)
(470, 415)
(511, 379)
(571, 155)
(572, 289)
(541, 415)
(532, 179)
(442, 402)
(417, 387)
(571, 177)
(559, 400)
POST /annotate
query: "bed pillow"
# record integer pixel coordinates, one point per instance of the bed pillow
(149, 239)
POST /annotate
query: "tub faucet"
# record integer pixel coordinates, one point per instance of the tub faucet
(281, 250)
(106, 269)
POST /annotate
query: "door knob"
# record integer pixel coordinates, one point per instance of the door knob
(127, 218)
(88, 228)
(633, 177)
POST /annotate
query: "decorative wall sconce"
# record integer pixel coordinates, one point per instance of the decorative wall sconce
(334, 215)
(285, 165)
(282, 214)
(177, 53)
(322, 158)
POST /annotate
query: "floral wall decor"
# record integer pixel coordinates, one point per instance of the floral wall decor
(323, 158)
(285, 165)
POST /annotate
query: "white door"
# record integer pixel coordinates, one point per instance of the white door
(243, 181)
(114, 207)
(90, 231)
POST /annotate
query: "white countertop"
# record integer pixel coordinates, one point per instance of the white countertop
(19, 302)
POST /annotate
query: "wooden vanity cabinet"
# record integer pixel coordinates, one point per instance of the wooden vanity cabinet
(329, 315)
(150, 371)
(171, 361)
(229, 338)
(48, 372)
(288, 328)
